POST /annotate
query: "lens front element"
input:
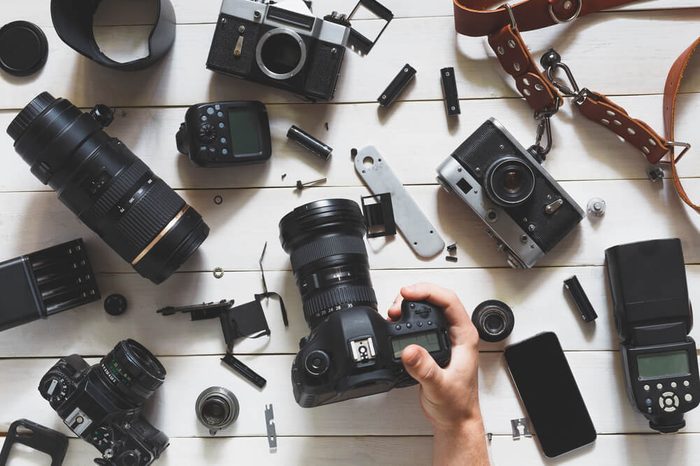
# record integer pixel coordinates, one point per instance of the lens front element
(510, 182)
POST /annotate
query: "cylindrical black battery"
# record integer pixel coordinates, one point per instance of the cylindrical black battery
(309, 142)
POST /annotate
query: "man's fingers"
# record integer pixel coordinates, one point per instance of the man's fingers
(422, 367)
(395, 309)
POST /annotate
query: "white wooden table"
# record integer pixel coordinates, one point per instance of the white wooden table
(625, 53)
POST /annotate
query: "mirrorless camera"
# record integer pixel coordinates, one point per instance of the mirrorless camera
(653, 316)
(102, 403)
(352, 350)
(284, 45)
(524, 208)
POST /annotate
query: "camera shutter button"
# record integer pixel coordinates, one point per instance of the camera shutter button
(207, 133)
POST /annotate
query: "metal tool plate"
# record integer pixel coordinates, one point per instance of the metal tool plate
(415, 227)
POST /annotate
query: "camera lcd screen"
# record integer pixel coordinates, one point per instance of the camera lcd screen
(653, 366)
(428, 340)
(245, 131)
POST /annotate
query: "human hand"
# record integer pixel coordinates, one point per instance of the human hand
(449, 396)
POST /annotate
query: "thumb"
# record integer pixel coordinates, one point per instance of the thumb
(421, 366)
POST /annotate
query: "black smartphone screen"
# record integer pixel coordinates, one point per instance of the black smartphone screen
(549, 392)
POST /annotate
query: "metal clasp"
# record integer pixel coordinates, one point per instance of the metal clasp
(684, 145)
(551, 62)
(511, 15)
(544, 129)
(568, 5)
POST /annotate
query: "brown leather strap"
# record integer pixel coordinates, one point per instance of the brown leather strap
(476, 18)
(673, 84)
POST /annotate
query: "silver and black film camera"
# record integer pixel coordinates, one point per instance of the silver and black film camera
(284, 45)
(524, 208)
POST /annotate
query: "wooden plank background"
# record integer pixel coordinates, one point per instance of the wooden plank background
(625, 53)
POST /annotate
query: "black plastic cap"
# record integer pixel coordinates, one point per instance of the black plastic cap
(23, 48)
(25, 118)
(115, 304)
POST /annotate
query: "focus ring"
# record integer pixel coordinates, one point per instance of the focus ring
(25, 118)
(148, 217)
(327, 246)
(315, 305)
(123, 182)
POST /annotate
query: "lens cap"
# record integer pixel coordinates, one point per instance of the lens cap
(23, 48)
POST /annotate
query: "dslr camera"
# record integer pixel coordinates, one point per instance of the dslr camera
(524, 208)
(284, 45)
(352, 350)
(102, 403)
(653, 316)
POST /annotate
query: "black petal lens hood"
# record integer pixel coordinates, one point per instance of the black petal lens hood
(73, 20)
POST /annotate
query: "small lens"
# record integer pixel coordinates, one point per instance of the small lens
(217, 408)
(510, 182)
(494, 320)
(281, 53)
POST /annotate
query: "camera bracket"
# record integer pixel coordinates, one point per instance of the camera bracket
(415, 227)
(358, 42)
(379, 215)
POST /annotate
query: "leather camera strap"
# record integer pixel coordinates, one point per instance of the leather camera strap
(502, 25)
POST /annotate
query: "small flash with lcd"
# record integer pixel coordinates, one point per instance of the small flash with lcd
(221, 134)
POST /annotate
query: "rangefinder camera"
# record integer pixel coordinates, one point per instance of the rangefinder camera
(103, 403)
(285, 46)
(524, 208)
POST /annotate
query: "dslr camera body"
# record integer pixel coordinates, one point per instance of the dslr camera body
(285, 46)
(352, 351)
(653, 316)
(102, 403)
(524, 208)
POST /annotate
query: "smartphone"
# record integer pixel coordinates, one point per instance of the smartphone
(549, 392)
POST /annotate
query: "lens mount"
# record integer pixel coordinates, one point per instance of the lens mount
(509, 181)
(494, 320)
(277, 49)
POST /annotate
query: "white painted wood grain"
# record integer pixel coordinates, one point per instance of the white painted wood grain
(120, 12)
(416, 137)
(598, 48)
(598, 375)
(637, 210)
(608, 450)
(537, 299)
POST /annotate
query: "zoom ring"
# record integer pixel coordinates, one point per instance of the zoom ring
(326, 246)
(320, 305)
(148, 217)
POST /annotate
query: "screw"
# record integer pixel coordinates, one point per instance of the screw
(301, 185)
(523, 238)
(241, 29)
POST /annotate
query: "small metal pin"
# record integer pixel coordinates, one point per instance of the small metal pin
(301, 185)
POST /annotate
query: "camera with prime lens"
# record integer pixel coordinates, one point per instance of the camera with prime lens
(102, 403)
(285, 46)
(524, 208)
(107, 186)
(352, 350)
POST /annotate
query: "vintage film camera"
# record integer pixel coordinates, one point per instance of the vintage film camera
(284, 45)
(653, 316)
(525, 209)
(102, 403)
(352, 350)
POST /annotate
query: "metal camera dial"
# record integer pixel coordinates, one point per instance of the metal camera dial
(317, 362)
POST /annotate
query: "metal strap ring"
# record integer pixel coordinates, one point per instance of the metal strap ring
(579, 5)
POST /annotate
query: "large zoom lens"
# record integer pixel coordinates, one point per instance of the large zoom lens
(130, 372)
(108, 187)
(325, 242)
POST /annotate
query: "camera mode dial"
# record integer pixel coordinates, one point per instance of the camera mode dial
(317, 362)
(55, 389)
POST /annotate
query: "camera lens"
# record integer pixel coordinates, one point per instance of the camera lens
(110, 189)
(281, 53)
(325, 242)
(217, 408)
(130, 372)
(509, 182)
(494, 320)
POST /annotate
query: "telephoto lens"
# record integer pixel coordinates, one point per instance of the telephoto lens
(325, 241)
(107, 186)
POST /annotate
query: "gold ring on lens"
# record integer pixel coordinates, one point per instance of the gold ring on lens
(160, 235)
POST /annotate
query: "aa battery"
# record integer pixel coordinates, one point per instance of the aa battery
(309, 142)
